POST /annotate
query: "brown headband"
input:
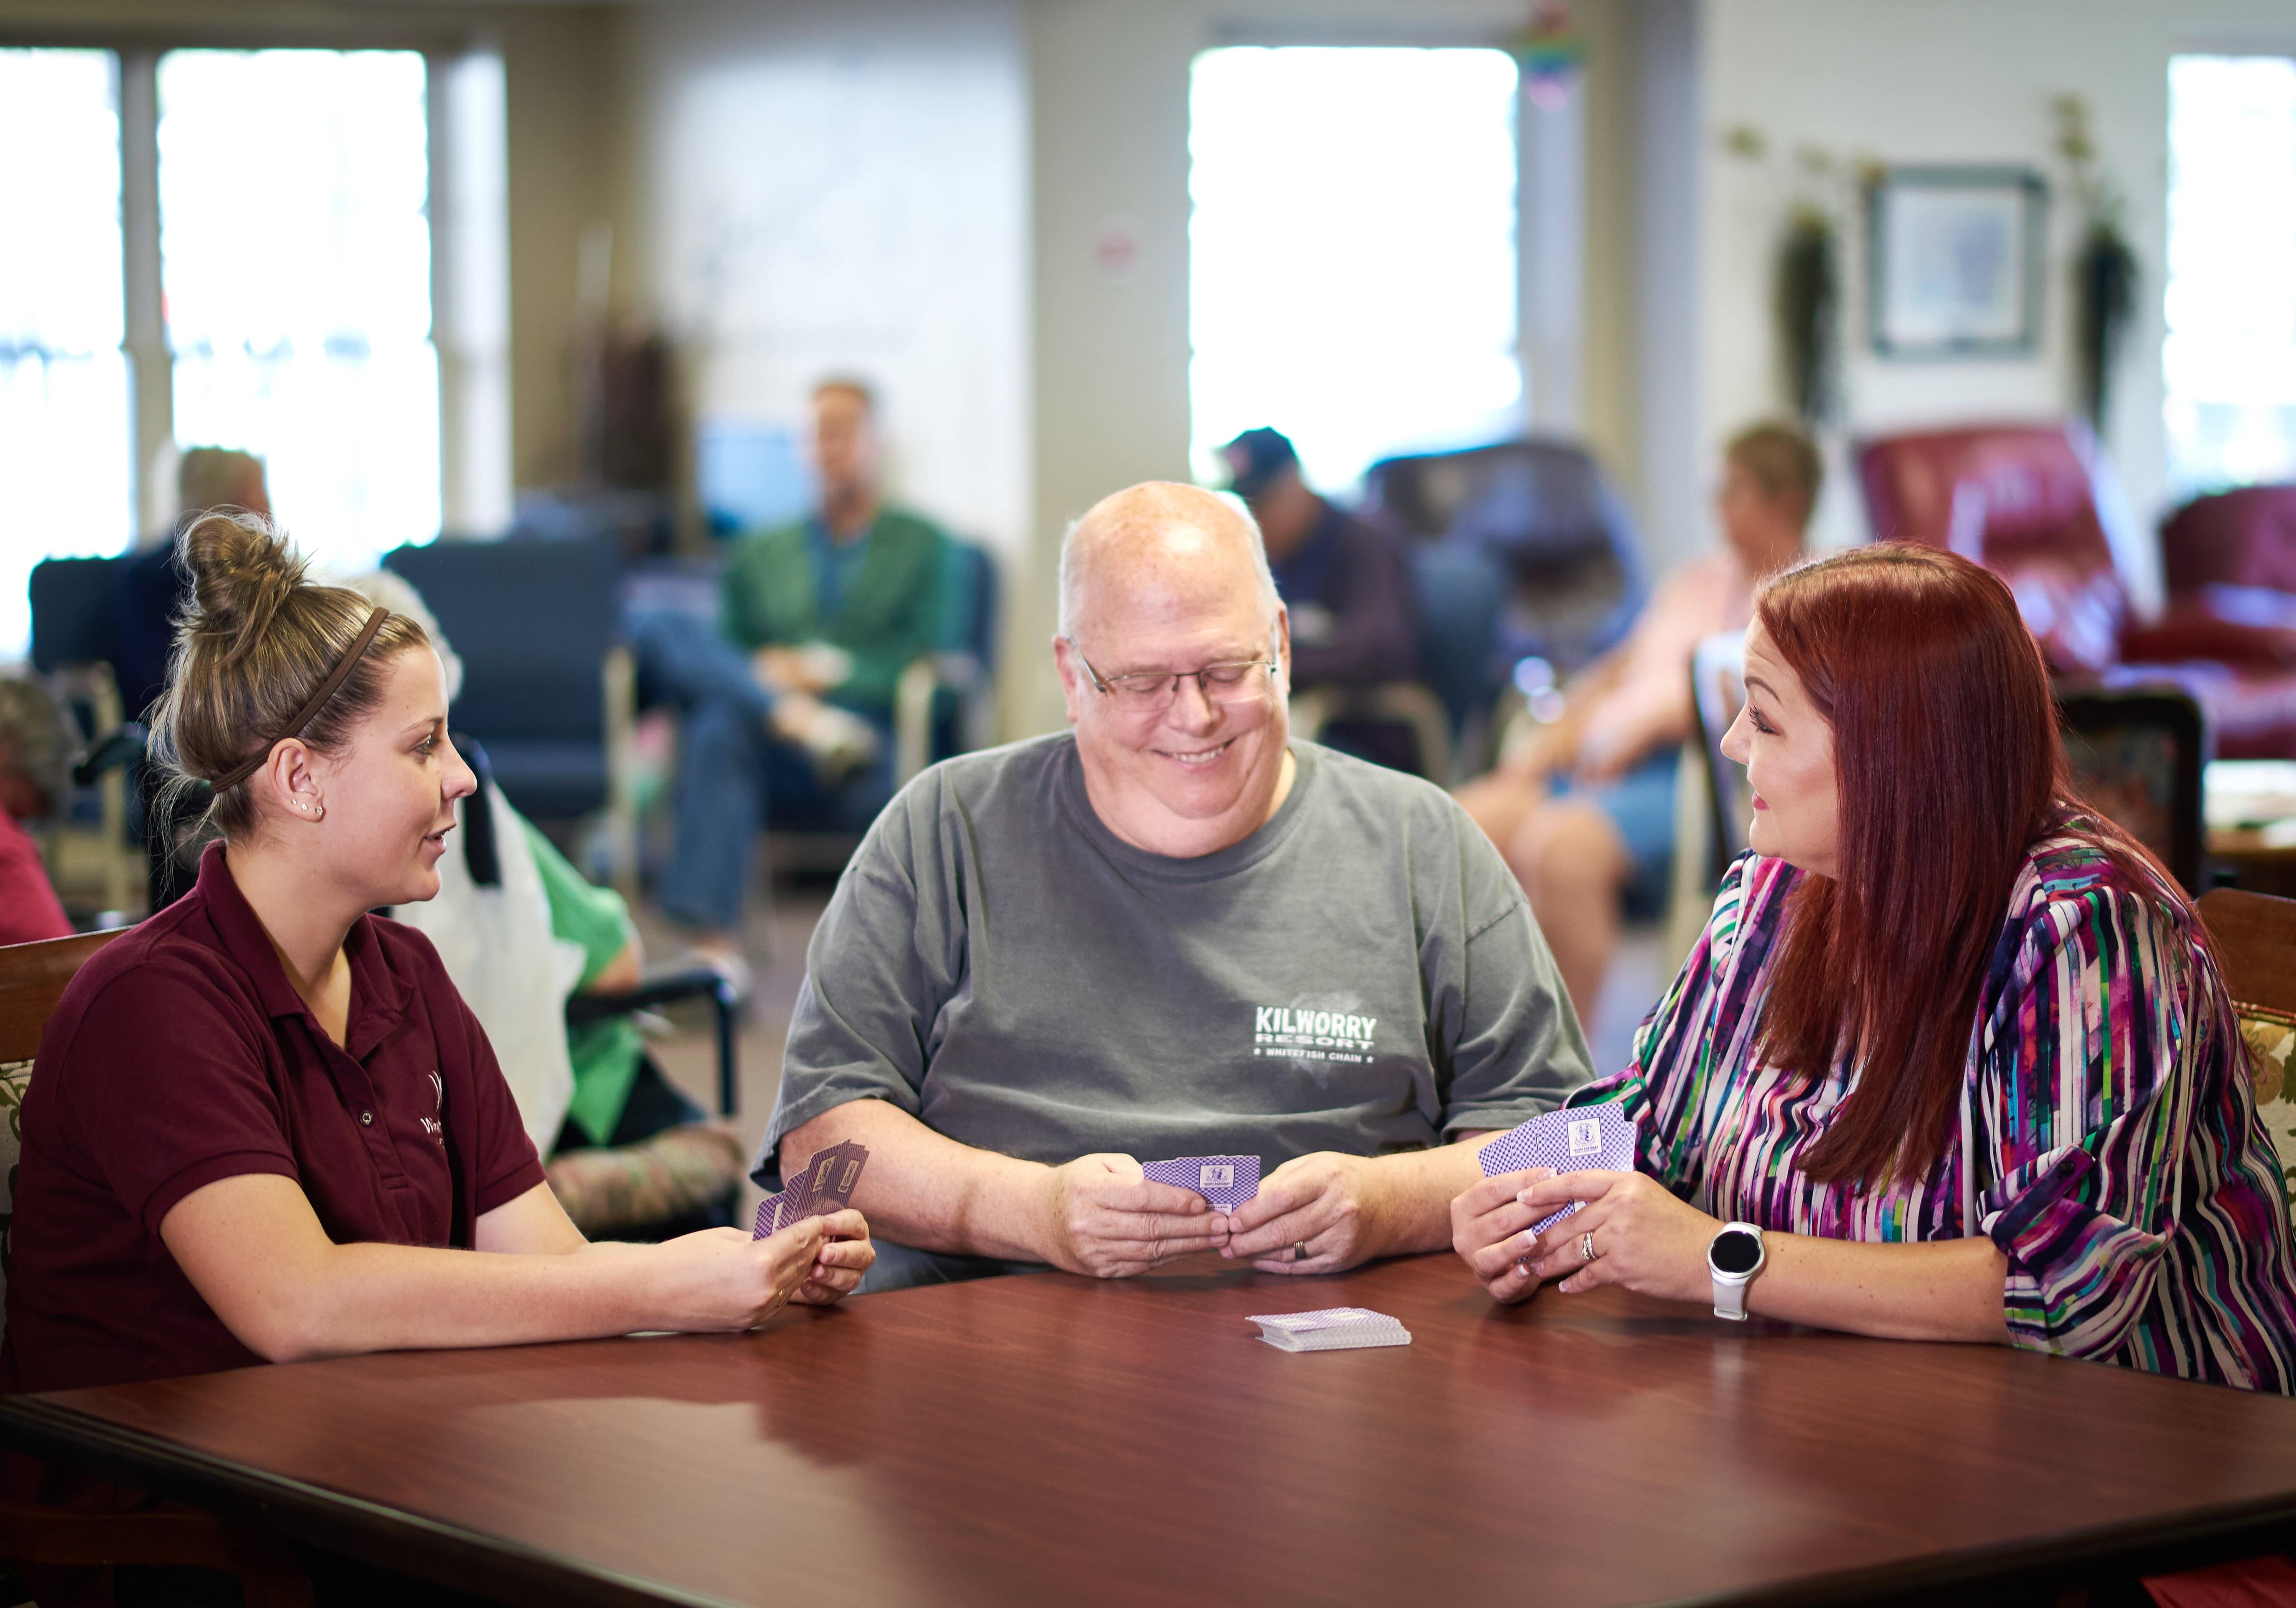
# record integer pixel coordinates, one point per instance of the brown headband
(309, 712)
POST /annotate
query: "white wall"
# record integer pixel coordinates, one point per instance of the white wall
(1109, 125)
(1946, 81)
(810, 188)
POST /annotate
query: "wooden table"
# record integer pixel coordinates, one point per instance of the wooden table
(1051, 1439)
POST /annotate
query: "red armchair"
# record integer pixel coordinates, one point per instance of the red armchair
(2039, 505)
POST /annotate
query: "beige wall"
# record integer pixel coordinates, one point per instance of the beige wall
(803, 190)
(1108, 92)
(1948, 81)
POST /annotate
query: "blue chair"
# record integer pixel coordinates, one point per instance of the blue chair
(545, 684)
(75, 646)
(1461, 594)
(1541, 514)
(944, 704)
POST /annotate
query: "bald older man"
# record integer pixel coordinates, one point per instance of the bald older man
(1173, 930)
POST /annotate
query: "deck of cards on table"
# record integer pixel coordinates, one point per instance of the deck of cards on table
(1227, 1182)
(1593, 1138)
(1330, 1329)
(825, 1185)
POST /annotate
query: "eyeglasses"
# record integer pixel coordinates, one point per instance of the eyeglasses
(1234, 681)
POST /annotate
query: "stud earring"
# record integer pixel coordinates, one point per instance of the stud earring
(318, 812)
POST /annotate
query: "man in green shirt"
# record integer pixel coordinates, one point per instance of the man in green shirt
(790, 710)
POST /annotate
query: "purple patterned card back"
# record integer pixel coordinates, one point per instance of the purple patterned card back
(834, 1175)
(825, 1185)
(1591, 1138)
(1227, 1182)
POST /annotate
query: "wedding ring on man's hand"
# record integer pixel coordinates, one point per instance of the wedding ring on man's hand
(1586, 1245)
(1299, 1251)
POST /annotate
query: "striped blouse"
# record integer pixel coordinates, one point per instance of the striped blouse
(2115, 1148)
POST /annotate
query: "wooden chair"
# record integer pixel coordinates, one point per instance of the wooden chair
(32, 980)
(2255, 937)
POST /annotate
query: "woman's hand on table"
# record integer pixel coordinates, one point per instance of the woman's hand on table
(720, 1278)
(839, 1261)
(1645, 1238)
(1490, 1231)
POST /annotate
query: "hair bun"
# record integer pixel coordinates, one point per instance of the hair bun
(241, 570)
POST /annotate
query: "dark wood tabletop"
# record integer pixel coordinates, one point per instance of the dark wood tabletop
(1048, 1438)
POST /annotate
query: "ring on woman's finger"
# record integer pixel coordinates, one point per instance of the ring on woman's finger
(1586, 1245)
(1299, 1251)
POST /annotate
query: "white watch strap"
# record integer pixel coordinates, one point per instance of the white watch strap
(1730, 1298)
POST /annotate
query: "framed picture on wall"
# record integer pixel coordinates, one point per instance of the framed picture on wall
(1954, 261)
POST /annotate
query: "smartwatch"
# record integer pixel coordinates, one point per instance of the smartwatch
(1734, 1257)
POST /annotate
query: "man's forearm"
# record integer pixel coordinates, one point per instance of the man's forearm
(929, 1191)
(1418, 1188)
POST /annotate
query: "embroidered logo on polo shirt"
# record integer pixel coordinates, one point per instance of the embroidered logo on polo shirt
(436, 1126)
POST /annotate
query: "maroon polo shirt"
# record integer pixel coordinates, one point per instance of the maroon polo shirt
(181, 1054)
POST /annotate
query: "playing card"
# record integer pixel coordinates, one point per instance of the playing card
(832, 1175)
(1227, 1182)
(1330, 1329)
(825, 1185)
(1588, 1138)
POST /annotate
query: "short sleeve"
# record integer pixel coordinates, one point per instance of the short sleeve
(580, 911)
(867, 1008)
(507, 1166)
(163, 1116)
(2088, 1097)
(1514, 1046)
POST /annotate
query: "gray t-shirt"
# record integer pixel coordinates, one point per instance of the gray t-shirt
(1361, 974)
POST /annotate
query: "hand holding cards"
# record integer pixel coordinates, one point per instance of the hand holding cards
(1227, 1182)
(1592, 1138)
(825, 1185)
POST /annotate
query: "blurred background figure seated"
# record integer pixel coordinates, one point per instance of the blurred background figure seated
(33, 748)
(788, 711)
(1349, 588)
(1582, 802)
(145, 594)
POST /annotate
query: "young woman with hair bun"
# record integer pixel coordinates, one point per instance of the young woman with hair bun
(263, 1125)
(1952, 1060)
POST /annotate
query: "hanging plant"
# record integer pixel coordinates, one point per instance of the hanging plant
(2105, 272)
(1806, 274)
(1808, 311)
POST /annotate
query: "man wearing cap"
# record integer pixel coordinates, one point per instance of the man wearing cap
(1174, 930)
(1347, 585)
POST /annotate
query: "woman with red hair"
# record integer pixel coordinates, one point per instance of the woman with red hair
(1952, 1060)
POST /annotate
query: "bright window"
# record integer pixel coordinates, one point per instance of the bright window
(66, 462)
(1352, 272)
(295, 259)
(2230, 353)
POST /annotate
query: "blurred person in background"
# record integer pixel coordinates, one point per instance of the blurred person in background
(789, 709)
(1583, 805)
(34, 751)
(1346, 583)
(147, 596)
(150, 588)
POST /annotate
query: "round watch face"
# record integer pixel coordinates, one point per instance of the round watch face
(1735, 1252)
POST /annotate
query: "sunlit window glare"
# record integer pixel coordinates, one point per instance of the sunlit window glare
(2230, 354)
(295, 259)
(66, 481)
(1352, 271)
